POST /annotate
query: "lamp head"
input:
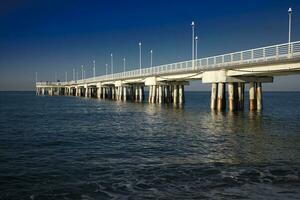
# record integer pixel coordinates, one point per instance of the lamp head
(290, 10)
(193, 23)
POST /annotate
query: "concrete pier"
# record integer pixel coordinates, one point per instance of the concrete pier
(241, 92)
(221, 105)
(252, 96)
(233, 96)
(259, 100)
(214, 96)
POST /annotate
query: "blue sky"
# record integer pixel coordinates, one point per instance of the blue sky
(57, 36)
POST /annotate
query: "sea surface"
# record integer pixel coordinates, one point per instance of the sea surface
(79, 148)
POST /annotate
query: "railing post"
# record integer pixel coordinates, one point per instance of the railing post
(252, 54)
(277, 52)
(264, 53)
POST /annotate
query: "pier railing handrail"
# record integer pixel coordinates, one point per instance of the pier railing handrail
(235, 59)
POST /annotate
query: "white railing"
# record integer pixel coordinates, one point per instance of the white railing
(231, 60)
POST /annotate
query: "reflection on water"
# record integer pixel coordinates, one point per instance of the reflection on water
(79, 148)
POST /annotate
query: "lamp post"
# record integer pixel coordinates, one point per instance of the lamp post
(290, 23)
(196, 48)
(151, 58)
(66, 76)
(73, 74)
(106, 66)
(81, 71)
(124, 64)
(94, 68)
(140, 48)
(112, 63)
(193, 41)
(290, 27)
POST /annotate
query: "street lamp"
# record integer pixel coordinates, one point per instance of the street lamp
(151, 57)
(112, 63)
(73, 74)
(196, 49)
(124, 64)
(106, 66)
(140, 47)
(66, 76)
(94, 69)
(81, 71)
(193, 40)
(290, 23)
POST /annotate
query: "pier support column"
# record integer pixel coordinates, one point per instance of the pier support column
(221, 97)
(153, 97)
(259, 96)
(150, 94)
(136, 93)
(252, 99)
(141, 93)
(113, 93)
(124, 93)
(214, 96)
(181, 94)
(160, 97)
(232, 96)
(241, 92)
(98, 92)
(175, 94)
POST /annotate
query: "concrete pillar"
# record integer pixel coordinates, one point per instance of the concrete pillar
(136, 93)
(153, 97)
(214, 96)
(141, 93)
(181, 94)
(175, 94)
(157, 94)
(160, 94)
(241, 89)
(86, 91)
(232, 96)
(113, 95)
(150, 94)
(103, 92)
(124, 93)
(98, 92)
(221, 105)
(43, 91)
(252, 98)
(259, 99)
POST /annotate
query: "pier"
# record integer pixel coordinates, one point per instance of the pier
(228, 73)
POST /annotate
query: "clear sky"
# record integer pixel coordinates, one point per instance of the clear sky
(57, 36)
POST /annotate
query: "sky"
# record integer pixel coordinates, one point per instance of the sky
(55, 36)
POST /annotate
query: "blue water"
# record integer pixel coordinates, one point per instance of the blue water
(77, 148)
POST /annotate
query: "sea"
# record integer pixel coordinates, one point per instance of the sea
(62, 147)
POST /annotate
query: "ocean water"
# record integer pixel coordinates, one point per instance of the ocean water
(78, 148)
